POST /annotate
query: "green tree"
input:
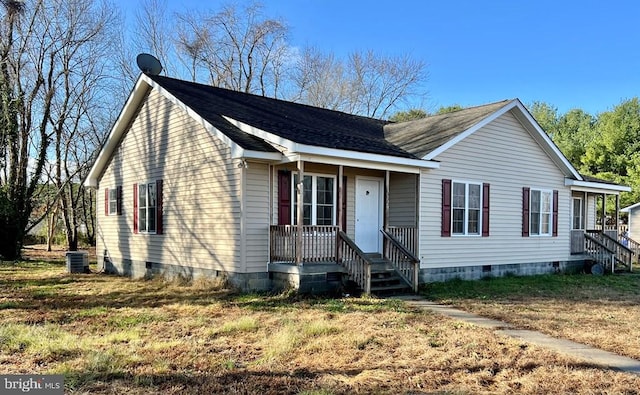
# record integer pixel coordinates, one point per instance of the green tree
(575, 131)
(448, 109)
(546, 115)
(411, 115)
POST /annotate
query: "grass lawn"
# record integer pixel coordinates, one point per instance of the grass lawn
(603, 311)
(109, 334)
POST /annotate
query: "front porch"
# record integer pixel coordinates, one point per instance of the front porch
(326, 256)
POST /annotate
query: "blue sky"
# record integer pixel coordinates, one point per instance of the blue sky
(570, 54)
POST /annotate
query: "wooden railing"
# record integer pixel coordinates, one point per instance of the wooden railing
(606, 249)
(407, 265)
(319, 243)
(598, 251)
(355, 261)
(406, 235)
(630, 243)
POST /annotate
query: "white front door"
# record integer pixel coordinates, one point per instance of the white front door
(369, 214)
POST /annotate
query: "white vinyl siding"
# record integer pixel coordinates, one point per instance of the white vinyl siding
(504, 155)
(256, 219)
(201, 192)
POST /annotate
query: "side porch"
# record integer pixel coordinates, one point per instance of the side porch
(599, 237)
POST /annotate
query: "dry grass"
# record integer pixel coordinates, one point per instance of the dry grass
(600, 311)
(113, 335)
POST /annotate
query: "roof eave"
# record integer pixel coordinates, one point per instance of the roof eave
(595, 186)
(127, 113)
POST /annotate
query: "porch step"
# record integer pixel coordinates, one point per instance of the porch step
(385, 281)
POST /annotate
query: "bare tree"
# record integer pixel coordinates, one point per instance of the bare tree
(50, 53)
(365, 84)
(235, 48)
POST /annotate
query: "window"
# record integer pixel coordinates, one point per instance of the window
(577, 210)
(147, 207)
(466, 205)
(539, 212)
(147, 202)
(465, 208)
(113, 201)
(319, 200)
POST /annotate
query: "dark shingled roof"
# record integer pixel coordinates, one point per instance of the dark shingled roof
(424, 135)
(295, 122)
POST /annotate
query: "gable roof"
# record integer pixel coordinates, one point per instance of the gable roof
(296, 122)
(261, 128)
(422, 136)
(444, 131)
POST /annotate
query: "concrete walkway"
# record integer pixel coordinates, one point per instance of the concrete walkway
(588, 353)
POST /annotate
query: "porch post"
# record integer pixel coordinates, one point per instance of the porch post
(385, 223)
(299, 212)
(340, 212)
(604, 212)
(584, 211)
(617, 215)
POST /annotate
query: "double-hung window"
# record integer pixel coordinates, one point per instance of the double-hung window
(113, 201)
(540, 212)
(319, 200)
(466, 206)
(147, 207)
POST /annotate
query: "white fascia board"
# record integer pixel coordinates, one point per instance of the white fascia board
(544, 140)
(258, 155)
(413, 168)
(629, 208)
(595, 187)
(431, 155)
(129, 110)
(341, 156)
(119, 127)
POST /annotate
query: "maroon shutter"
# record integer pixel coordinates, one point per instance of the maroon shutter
(446, 208)
(485, 210)
(344, 204)
(525, 212)
(555, 213)
(284, 197)
(106, 201)
(135, 208)
(119, 200)
(159, 227)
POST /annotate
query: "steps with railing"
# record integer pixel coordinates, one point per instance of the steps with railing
(373, 273)
(631, 244)
(607, 251)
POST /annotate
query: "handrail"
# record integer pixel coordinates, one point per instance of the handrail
(403, 260)
(622, 253)
(632, 244)
(602, 248)
(355, 261)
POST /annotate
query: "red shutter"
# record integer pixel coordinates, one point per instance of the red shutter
(446, 208)
(135, 208)
(284, 197)
(485, 210)
(119, 200)
(106, 201)
(555, 213)
(159, 227)
(344, 204)
(525, 212)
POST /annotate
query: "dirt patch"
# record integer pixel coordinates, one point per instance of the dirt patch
(38, 252)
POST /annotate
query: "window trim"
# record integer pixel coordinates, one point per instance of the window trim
(314, 197)
(466, 208)
(541, 213)
(113, 202)
(139, 207)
